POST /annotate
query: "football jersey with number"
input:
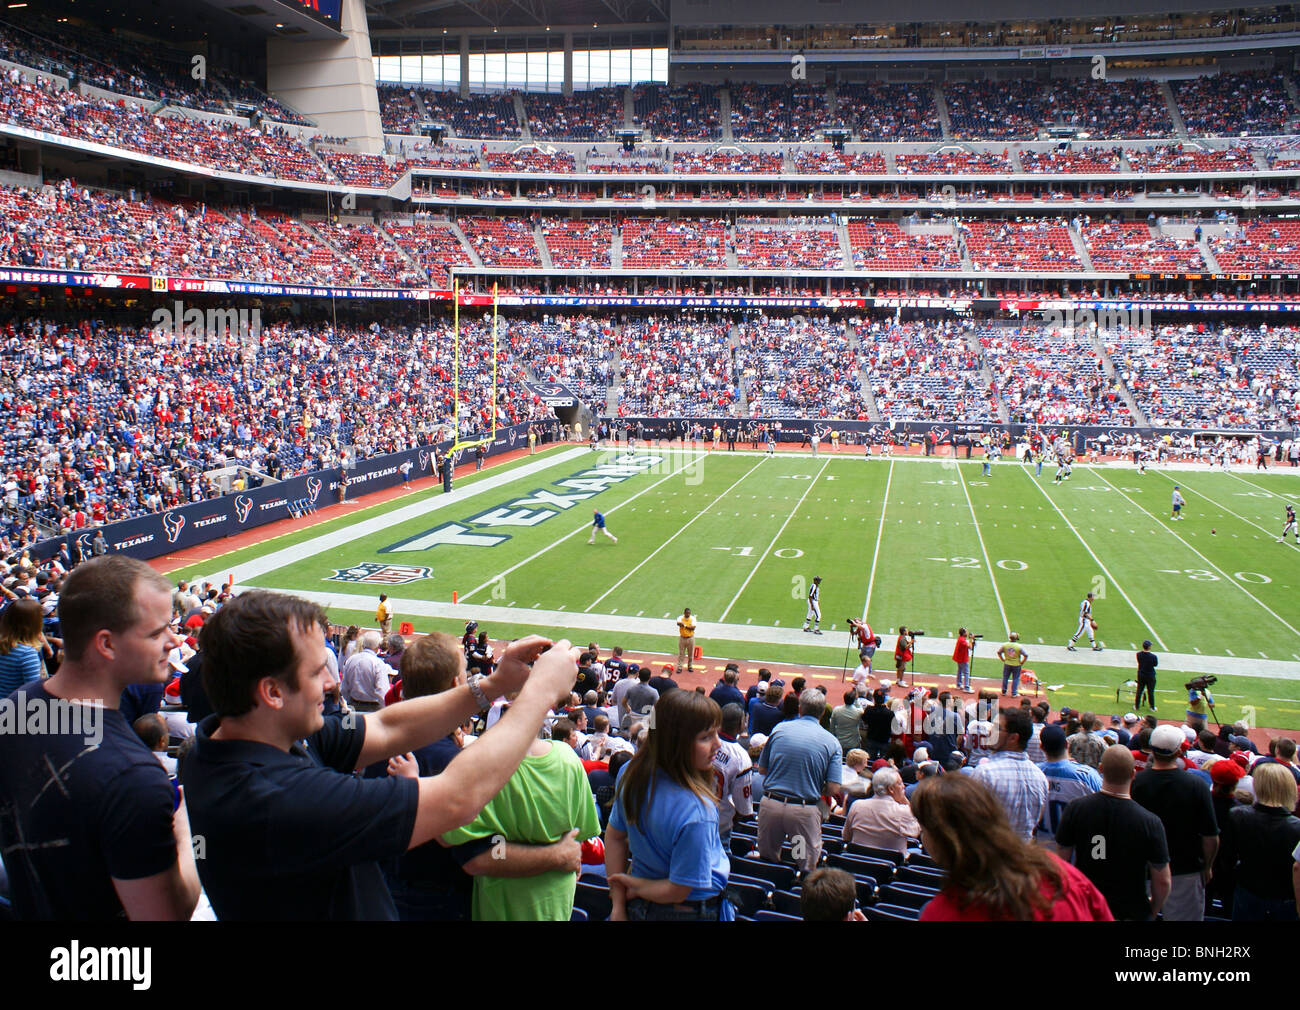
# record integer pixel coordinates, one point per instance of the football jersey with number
(1066, 781)
(732, 776)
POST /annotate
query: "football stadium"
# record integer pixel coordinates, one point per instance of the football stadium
(654, 460)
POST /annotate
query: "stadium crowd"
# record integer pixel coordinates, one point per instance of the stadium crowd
(768, 802)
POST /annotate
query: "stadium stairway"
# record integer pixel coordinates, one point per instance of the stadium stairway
(466, 245)
(864, 377)
(385, 236)
(616, 250)
(629, 110)
(846, 247)
(1207, 254)
(1180, 128)
(1294, 94)
(542, 249)
(987, 376)
(1139, 416)
(1080, 247)
(420, 108)
(521, 114)
(615, 376)
(724, 107)
(941, 106)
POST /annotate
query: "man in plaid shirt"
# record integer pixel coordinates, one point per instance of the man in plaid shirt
(1017, 782)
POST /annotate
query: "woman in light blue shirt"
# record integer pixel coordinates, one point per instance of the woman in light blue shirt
(20, 642)
(666, 816)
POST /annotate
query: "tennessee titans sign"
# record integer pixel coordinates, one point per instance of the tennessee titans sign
(372, 574)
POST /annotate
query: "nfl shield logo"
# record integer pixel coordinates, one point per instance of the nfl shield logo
(372, 574)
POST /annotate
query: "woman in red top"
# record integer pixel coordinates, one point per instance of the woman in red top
(992, 873)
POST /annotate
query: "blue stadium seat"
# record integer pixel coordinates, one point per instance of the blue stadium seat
(578, 915)
(891, 913)
(594, 900)
(906, 896)
(748, 898)
(781, 876)
(874, 852)
(788, 902)
(767, 915)
(880, 869)
(922, 875)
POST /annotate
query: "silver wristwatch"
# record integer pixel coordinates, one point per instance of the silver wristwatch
(474, 680)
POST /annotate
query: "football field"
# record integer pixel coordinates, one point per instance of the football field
(928, 543)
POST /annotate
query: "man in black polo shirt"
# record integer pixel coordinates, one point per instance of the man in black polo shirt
(289, 832)
(663, 683)
(1115, 842)
(1182, 802)
(88, 820)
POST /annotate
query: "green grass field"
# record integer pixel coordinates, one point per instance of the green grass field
(927, 543)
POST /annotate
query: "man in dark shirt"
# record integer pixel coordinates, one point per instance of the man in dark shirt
(725, 692)
(587, 679)
(290, 833)
(88, 822)
(1146, 676)
(1115, 842)
(663, 682)
(1183, 804)
(879, 720)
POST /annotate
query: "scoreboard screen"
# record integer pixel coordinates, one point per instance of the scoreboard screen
(323, 10)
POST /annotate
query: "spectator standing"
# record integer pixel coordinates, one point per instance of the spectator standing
(291, 833)
(1117, 844)
(765, 712)
(663, 853)
(846, 720)
(725, 691)
(1264, 838)
(1184, 807)
(384, 615)
(1017, 782)
(1147, 661)
(961, 656)
(365, 676)
(879, 721)
(800, 763)
(1067, 781)
(733, 771)
(640, 698)
(993, 872)
(546, 801)
(110, 841)
(1085, 746)
(20, 645)
(686, 640)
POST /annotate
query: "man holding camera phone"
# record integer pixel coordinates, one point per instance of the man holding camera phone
(289, 832)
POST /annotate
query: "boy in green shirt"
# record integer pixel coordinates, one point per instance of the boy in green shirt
(547, 797)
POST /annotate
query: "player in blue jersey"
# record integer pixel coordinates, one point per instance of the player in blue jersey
(1066, 781)
(598, 525)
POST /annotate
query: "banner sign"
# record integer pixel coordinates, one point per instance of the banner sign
(185, 526)
(553, 394)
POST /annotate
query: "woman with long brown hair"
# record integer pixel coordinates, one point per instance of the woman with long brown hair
(666, 816)
(993, 874)
(21, 643)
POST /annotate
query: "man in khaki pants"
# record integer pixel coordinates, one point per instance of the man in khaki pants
(800, 763)
(384, 615)
(686, 641)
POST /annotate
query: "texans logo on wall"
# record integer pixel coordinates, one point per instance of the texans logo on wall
(822, 430)
(424, 460)
(173, 524)
(372, 574)
(510, 437)
(545, 389)
(313, 488)
(83, 542)
(243, 506)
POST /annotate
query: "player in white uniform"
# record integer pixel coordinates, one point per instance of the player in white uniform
(1290, 527)
(814, 615)
(1086, 623)
(732, 772)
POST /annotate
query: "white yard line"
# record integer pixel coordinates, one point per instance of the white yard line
(1225, 508)
(533, 557)
(704, 511)
(348, 533)
(762, 557)
(1105, 571)
(961, 479)
(871, 579)
(1226, 576)
(1258, 487)
(757, 634)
